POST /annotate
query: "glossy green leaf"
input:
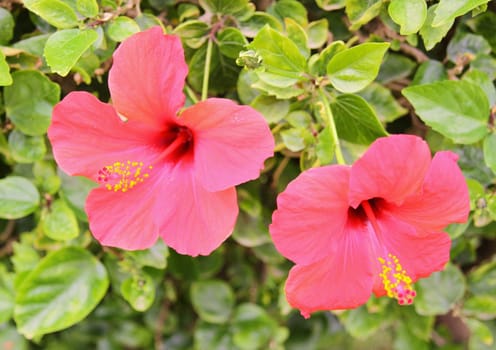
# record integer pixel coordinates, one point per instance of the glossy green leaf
(293, 9)
(355, 120)
(26, 149)
(438, 293)
(457, 109)
(361, 323)
(295, 139)
(489, 147)
(432, 35)
(482, 338)
(88, 8)
(186, 10)
(231, 41)
(5, 77)
(139, 291)
(62, 290)
(252, 327)
(7, 294)
(59, 222)
(155, 256)
(46, 178)
(330, 5)
(317, 32)
(467, 44)
(147, 20)
(429, 72)
(481, 79)
(212, 337)
(256, 22)
(484, 25)
(481, 306)
(395, 67)
(318, 62)
(405, 339)
(29, 101)
(212, 300)
(482, 280)
(226, 7)
(121, 28)
(297, 35)
(280, 55)
(353, 69)
(362, 11)
(409, 14)
(383, 102)
(271, 108)
(18, 197)
(6, 26)
(75, 189)
(448, 10)
(56, 12)
(193, 33)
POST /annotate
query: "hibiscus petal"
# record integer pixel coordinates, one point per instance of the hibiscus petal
(194, 221)
(87, 135)
(124, 219)
(311, 213)
(231, 142)
(444, 198)
(342, 280)
(393, 168)
(419, 255)
(147, 77)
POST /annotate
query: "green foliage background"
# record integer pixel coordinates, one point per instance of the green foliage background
(364, 68)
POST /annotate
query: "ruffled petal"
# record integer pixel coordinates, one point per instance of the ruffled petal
(193, 220)
(124, 219)
(231, 142)
(147, 77)
(418, 255)
(87, 135)
(393, 168)
(342, 280)
(311, 213)
(444, 198)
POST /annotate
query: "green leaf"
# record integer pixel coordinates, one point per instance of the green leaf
(7, 294)
(88, 8)
(467, 44)
(59, 222)
(62, 290)
(29, 101)
(481, 306)
(362, 11)
(406, 340)
(45, 177)
(212, 337)
(272, 109)
(139, 291)
(64, 47)
(395, 67)
(448, 10)
(56, 12)
(481, 79)
(437, 294)
(296, 139)
(155, 256)
(6, 26)
(457, 109)
(75, 189)
(185, 10)
(193, 33)
(325, 146)
(225, 7)
(409, 14)
(231, 41)
(121, 28)
(298, 35)
(318, 62)
(10, 339)
(482, 280)
(353, 69)
(361, 323)
(147, 20)
(256, 22)
(484, 25)
(489, 147)
(429, 72)
(481, 336)
(293, 9)
(5, 77)
(252, 327)
(385, 105)
(280, 55)
(355, 120)
(317, 32)
(212, 300)
(26, 149)
(18, 197)
(432, 35)
(330, 5)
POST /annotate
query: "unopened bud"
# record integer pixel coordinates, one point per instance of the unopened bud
(249, 59)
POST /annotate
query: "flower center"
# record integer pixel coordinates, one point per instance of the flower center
(178, 142)
(395, 279)
(123, 176)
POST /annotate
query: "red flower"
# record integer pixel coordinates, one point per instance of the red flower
(372, 227)
(162, 171)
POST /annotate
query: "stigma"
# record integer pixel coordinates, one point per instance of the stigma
(396, 281)
(123, 176)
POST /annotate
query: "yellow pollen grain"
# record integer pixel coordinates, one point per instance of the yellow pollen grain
(396, 281)
(123, 176)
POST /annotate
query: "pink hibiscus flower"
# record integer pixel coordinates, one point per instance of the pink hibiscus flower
(162, 171)
(372, 227)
